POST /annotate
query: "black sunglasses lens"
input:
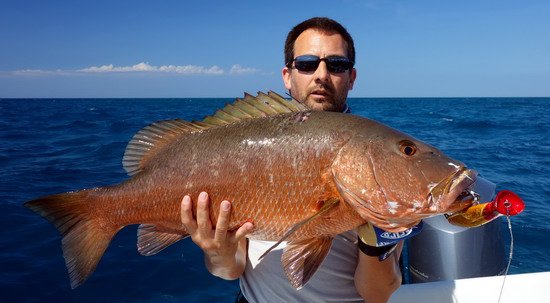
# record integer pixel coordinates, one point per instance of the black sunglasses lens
(309, 63)
(306, 63)
(338, 64)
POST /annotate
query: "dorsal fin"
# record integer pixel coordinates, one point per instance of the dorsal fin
(152, 138)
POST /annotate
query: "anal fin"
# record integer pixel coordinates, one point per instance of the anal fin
(301, 259)
(152, 239)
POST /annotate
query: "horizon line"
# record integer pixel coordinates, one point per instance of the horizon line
(366, 97)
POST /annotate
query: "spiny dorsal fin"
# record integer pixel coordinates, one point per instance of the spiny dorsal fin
(152, 138)
(251, 107)
(294, 105)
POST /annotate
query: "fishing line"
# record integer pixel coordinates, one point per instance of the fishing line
(507, 205)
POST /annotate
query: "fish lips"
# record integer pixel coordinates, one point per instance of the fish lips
(454, 193)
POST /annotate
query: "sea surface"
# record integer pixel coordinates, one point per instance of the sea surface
(58, 145)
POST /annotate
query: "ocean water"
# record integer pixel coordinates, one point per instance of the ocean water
(57, 145)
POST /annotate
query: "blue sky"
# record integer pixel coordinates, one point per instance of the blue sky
(223, 48)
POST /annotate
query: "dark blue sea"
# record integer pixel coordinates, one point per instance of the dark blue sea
(57, 145)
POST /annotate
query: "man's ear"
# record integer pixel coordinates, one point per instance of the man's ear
(352, 76)
(286, 77)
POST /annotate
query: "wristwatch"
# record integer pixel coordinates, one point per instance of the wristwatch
(382, 252)
(376, 242)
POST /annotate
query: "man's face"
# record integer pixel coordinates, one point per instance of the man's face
(320, 89)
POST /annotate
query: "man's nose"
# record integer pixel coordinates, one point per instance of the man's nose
(321, 73)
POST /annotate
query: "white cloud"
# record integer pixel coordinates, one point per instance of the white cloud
(142, 67)
(191, 69)
(240, 70)
(146, 67)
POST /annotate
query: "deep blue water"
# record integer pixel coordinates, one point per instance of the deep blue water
(58, 145)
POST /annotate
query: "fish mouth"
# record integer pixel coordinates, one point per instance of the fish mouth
(454, 193)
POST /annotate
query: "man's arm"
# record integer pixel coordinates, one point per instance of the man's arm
(376, 280)
(224, 251)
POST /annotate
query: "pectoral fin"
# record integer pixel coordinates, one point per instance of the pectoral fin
(302, 258)
(329, 204)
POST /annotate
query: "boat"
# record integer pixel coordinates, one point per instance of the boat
(528, 288)
(448, 263)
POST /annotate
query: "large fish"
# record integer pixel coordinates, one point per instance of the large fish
(299, 175)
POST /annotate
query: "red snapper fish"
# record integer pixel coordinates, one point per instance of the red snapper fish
(299, 175)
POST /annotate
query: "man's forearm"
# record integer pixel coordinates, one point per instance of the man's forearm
(376, 280)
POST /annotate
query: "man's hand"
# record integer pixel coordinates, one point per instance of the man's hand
(224, 251)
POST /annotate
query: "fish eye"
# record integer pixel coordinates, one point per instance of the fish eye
(407, 147)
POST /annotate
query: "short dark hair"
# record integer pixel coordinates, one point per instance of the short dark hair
(322, 24)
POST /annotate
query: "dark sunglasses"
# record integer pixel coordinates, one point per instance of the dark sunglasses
(310, 63)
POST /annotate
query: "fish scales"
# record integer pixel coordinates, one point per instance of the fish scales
(241, 174)
(300, 176)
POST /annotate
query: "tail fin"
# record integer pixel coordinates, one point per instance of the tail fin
(85, 235)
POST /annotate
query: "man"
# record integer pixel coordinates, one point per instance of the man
(319, 58)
